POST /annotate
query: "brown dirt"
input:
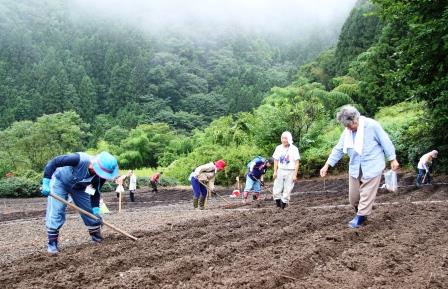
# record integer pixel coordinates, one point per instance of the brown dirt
(308, 245)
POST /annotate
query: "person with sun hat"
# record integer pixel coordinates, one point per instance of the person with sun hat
(81, 176)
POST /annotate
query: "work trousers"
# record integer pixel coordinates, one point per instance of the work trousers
(362, 193)
(55, 215)
(283, 185)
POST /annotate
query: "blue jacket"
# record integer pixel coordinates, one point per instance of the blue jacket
(376, 144)
(72, 170)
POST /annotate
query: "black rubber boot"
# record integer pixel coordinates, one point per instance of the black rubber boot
(284, 205)
(53, 242)
(195, 203)
(278, 203)
(201, 203)
(131, 194)
(355, 208)
(96, 236)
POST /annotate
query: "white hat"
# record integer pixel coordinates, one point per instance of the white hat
(288, 136)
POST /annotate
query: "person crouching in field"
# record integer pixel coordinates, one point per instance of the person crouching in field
(366, 143)
(286, 165)
(154, 180)
(81, 176)
(424, 168)
(202, 176)
(254, 178)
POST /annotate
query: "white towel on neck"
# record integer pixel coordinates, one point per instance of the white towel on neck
(359, 138)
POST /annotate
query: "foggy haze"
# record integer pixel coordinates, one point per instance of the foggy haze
(271, 16)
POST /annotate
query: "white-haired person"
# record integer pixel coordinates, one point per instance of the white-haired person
(424, 166)
(286, 166)
(366, 143)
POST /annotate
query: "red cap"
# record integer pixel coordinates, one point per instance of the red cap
(220, 164)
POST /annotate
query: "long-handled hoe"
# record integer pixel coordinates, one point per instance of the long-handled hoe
(92, 216)
(209, 192)
(424, 178)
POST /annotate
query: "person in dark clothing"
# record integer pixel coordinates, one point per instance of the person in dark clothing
(254, 177)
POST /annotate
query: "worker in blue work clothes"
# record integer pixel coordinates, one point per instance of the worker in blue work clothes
(81, 176)
(254, 177)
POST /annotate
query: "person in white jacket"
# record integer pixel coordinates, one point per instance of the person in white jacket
(132, 185)
(424, 166)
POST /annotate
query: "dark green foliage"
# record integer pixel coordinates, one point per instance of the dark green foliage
(320, 70)
(409, 61)
(360, 31)
(29, 145)
(15, 187)
(108, 187)
(53, 59)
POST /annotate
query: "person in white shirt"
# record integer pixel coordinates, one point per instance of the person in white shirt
(132, 185)
(286, 166)
(423, 167)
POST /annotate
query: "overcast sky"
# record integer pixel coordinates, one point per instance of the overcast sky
(268, 15)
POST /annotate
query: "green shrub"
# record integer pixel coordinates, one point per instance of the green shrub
(409, 128)
(317, 152)
(19, 187)
(31, 175)
(236, 158)
(167, 181)
(143, 182)
(108, 187)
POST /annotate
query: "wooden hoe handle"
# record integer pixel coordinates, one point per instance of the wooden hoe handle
(90, 215)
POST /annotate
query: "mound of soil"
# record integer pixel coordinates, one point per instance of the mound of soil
(308, 245)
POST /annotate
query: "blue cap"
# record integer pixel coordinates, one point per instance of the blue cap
(105, 166)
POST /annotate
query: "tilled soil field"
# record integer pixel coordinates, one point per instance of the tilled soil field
(308, 245)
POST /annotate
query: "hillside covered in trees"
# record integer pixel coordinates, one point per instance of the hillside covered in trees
(169, 98)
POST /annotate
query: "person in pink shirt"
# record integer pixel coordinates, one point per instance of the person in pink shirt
(155, 180)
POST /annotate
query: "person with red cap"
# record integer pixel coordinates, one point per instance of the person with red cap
(202, 175)
(81, 176)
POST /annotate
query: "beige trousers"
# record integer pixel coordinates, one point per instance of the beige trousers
(362, 193)
(283, 185)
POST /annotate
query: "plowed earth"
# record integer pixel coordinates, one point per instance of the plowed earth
(404, 244)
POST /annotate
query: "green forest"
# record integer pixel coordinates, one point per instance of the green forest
(172, 100)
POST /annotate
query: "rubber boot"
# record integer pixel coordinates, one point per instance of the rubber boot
(278, 203)
(356, 209)
(201, 203)
(245, 195)
(255, 196)
(357, 221)
(96, 236)
(195, 203)
(53, 242)
(131, 194)
(283, 205)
